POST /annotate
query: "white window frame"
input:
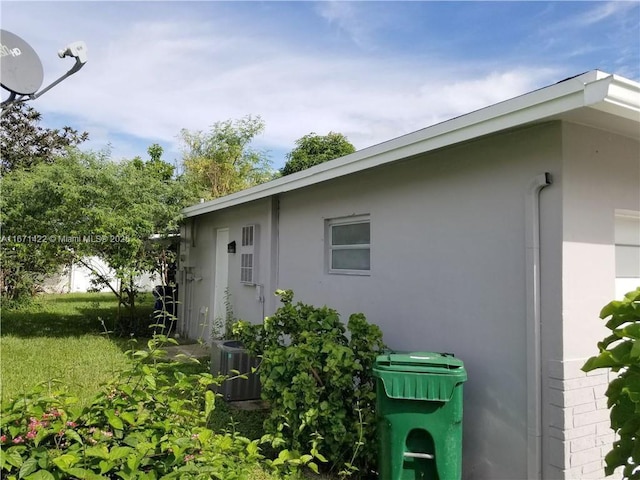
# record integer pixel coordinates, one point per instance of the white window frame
(330, 248)
(627, 251)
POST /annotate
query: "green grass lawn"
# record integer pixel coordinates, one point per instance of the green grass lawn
(61, 337)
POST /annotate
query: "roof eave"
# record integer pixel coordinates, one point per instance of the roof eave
(616, 95)
(594, 89)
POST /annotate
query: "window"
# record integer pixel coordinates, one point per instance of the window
(627, 248)
(248, 254)
(349, 245)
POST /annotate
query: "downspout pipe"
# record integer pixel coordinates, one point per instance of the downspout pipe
(534, 344)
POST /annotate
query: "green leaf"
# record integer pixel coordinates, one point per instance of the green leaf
(98, 451)
(12, 457)
(117, 453)
(284, 455)
(633, 295)
(106, 466)
(41, 475)
(615, 389)
(611, 308)
(66, 461)
(150, 380)
(128, 417)
(82, 473)
(28, 467)
(321, 457)
(621, 352)
(609, 340)
(74, 436)
(252, 448)
(114, 421)
(604, 360)
(635, 349)
(209, 403)
(632, 331)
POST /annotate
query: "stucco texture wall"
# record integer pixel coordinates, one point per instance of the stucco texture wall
(601, 175)
(198, 289)
(447, 270)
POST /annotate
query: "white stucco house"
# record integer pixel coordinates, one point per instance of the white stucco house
(498, 236)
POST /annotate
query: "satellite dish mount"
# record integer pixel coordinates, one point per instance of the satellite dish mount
(21, 72)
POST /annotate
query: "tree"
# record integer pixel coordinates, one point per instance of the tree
(221, 161)
(155, 165)
(314, 149)
(23, 143)
(85, 205)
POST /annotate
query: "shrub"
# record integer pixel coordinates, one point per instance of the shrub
(620, 352)
(152, 421)
(317, 381)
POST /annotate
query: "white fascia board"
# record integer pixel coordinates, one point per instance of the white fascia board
(616, 95)
(535, 106)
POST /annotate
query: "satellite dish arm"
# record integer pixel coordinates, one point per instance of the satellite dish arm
(78, 65)
(78, 50)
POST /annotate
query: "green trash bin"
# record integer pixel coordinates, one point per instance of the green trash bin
(419, 409)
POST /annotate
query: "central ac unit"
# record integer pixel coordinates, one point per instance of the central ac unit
(228, 356)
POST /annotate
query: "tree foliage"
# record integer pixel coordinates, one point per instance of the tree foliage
(221, 161)
(85, 205)
(24, 143)
(153, 420)
(620, 352)
(316, 375)
(313, 149)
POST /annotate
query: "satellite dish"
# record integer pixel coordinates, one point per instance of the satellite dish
(20, 67)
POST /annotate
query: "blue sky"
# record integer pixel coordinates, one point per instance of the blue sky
(371, 70)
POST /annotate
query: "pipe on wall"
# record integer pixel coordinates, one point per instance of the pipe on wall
(534, 343)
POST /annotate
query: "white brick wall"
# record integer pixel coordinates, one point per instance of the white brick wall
(578, 420)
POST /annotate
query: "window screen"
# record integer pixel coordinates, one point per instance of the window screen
(349, 245)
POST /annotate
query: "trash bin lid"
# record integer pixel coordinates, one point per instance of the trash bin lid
(426, 362)
(420, 375)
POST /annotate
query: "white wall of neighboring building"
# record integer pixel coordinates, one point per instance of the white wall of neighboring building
(601, 177)
(77, 278)
(627, 238)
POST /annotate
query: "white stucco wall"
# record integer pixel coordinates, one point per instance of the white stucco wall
(448, 274)
(447, 270)
(601, 174)
(197, 267)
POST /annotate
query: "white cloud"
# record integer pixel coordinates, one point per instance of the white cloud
(151, 77)
(348, 17)
(603, 11)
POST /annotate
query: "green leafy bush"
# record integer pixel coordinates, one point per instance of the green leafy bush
(620, 352)
(318, 382)
(153, 421)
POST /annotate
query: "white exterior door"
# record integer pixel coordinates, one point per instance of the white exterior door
(220, 284)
